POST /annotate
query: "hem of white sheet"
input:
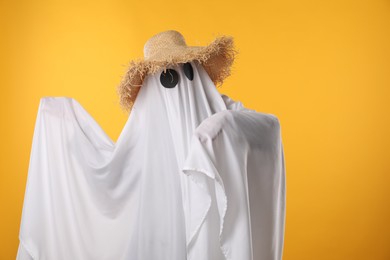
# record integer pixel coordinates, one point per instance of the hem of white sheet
(23, 244)
(187, 171)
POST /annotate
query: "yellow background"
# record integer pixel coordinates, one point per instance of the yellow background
(322, 67)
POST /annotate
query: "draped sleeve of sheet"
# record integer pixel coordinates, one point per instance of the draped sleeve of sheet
(78, 203)
(236, 163)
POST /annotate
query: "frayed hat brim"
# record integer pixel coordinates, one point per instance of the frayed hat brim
(217, 59)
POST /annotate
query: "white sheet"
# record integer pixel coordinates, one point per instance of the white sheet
(193, 175)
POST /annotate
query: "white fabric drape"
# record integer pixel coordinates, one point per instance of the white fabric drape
(193, 175)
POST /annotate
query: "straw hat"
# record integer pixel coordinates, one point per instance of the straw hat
(169, 48)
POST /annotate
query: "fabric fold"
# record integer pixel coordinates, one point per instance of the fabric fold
(201, 169)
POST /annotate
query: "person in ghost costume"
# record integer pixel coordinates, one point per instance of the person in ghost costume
(193, 174)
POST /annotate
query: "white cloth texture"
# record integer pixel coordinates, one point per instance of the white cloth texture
(193, 175)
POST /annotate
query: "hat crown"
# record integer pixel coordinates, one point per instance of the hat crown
(163, 40)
